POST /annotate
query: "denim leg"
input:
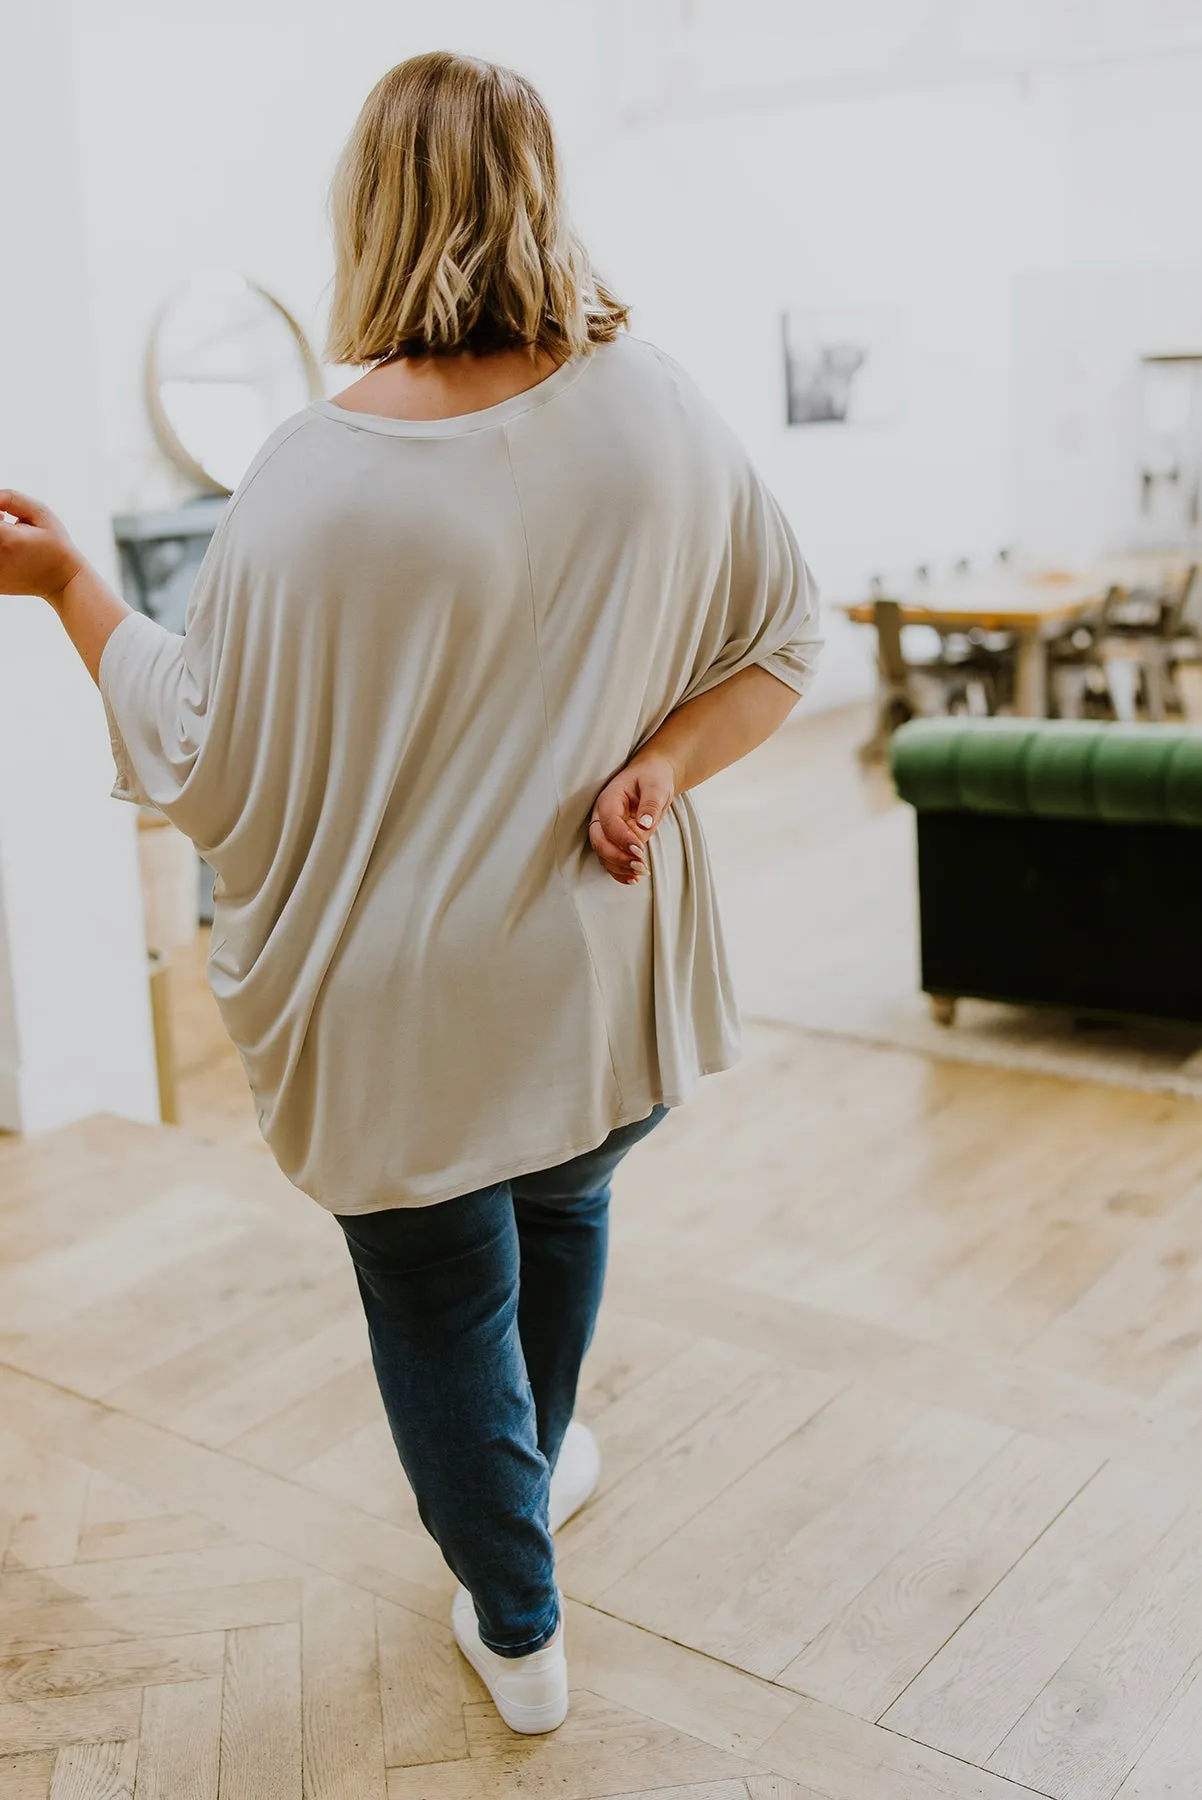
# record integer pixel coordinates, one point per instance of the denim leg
(439, 1286)
(563, 1229)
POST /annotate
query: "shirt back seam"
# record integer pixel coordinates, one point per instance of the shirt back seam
(550, 752)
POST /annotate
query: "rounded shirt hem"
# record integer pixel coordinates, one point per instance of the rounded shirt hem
(550, 1158)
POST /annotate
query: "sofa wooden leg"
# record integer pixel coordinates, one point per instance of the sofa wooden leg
(943, 1009)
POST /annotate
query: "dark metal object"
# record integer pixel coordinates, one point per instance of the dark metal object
(160, 553)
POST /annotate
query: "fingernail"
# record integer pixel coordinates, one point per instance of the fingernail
(635, 849)
(646, 821)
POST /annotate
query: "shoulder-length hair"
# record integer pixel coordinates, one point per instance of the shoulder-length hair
(449, 225)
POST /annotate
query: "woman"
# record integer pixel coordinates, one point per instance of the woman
(462, 642)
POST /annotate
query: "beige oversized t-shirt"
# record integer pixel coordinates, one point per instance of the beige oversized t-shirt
(415, 652)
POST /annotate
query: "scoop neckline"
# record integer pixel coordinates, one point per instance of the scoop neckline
(461, 423)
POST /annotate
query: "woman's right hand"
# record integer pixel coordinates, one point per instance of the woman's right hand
(36, 554)
(626, 813)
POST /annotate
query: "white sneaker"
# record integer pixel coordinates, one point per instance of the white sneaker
(576, 1474)
(529, 1692)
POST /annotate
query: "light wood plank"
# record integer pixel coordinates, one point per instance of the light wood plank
(161, 1533)
(845, 1758)
(971, 1694)
(704, 1790)
(881, 1640)
(1168, 1767)
(179, 1391)
(95, 1772)
(826, 1563)
(118, 1521)
(179, 1571)
(1018, 1395)
(107, 1345)
(602, 1749)
(925, 1271)
(694, 1694)
(251, 1503)
(775, 1787)
(62, 1623)
(77, 1719)
(420, 1691)
(815, 1539)
(180, 1745)
(717, 1556)
(184, 1220)
(343, 1731)
(53, 1674)
(261, 1715)
(1137, 1327)
(1068, 1257)
(306, 1429)
(364, 1469)
(634, 1515)
(674, 1396)
(26, 1777)
(59, 1182)
(1082, 1734)
(625, 1350)
(255, 1393)
(46, 1517)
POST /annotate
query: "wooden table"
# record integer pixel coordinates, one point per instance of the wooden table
(1023, 605)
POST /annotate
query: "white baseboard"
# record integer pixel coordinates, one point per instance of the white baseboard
(10, 1097)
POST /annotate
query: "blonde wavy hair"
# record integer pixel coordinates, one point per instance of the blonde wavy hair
(449, 225)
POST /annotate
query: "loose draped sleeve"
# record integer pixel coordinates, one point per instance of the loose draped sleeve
(155, 691)
(183, 736)
(785, 636)
(764, 607)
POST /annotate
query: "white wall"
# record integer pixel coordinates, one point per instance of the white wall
(847, 201)
(75, 1031)
(953, 163)
(1119, 276)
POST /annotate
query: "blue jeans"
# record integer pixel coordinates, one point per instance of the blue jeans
(479, 1311)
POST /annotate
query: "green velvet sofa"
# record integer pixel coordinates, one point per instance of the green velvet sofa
(1059, 863)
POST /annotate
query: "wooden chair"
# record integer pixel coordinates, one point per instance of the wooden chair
(1122, 652)
(1075, 665)
(1182, 639)
(910, 687)
(1148, 642)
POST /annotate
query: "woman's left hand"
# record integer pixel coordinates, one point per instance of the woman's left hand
(36, 554)
(626, 813)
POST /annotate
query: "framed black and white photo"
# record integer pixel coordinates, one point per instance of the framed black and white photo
(841, 366)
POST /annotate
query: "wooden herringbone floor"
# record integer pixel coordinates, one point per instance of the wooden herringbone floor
(899, 1390)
